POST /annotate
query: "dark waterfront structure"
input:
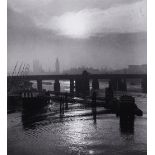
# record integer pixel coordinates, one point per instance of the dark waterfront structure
(127, 111)
(57, 85)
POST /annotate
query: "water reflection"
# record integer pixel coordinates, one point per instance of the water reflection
(75, 131)
(127, 126)
(13, 105)
(94, 115)
(32, 116)
(93, 105)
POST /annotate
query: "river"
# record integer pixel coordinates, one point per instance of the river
(44, 132)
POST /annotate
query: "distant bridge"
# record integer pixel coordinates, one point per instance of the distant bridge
(75, 76)
(118, 81)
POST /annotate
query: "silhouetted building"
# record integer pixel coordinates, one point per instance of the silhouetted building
(137, 69)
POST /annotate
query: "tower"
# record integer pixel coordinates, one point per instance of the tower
(57, 66)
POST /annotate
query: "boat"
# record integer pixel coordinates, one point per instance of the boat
(35, 98)
(15, 86)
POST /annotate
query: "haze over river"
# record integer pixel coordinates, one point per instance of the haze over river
(44, 132)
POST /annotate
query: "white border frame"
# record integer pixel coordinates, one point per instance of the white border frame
(151, 77)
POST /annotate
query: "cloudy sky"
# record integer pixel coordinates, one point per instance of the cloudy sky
(94, 33)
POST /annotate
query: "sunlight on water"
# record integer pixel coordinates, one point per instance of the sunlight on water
(44, 131)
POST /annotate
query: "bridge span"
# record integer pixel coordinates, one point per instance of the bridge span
(80, 82)
(76, 76)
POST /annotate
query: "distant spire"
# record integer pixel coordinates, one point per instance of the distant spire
(57, 66)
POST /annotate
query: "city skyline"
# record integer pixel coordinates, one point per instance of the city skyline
(37, 68)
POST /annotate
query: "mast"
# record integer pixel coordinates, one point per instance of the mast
(14, 68)
(19, 69)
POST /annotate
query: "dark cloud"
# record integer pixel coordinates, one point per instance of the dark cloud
(58, 7)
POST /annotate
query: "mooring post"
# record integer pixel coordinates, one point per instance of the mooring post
(66, 101)
(60, 99)
(57, 86)
(77, 85)
(63, 104)
(113, 84)
(144, 85)
(85, 83)
(109, 94)
(126, 113)
(71, 86)
(95, 84)
(39, 85)
(93, 105)
(122, 85)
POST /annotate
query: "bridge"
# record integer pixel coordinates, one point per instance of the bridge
(80, 82)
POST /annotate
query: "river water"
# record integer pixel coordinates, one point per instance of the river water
(45, 132)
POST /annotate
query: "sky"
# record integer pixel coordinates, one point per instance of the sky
(96, 33)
